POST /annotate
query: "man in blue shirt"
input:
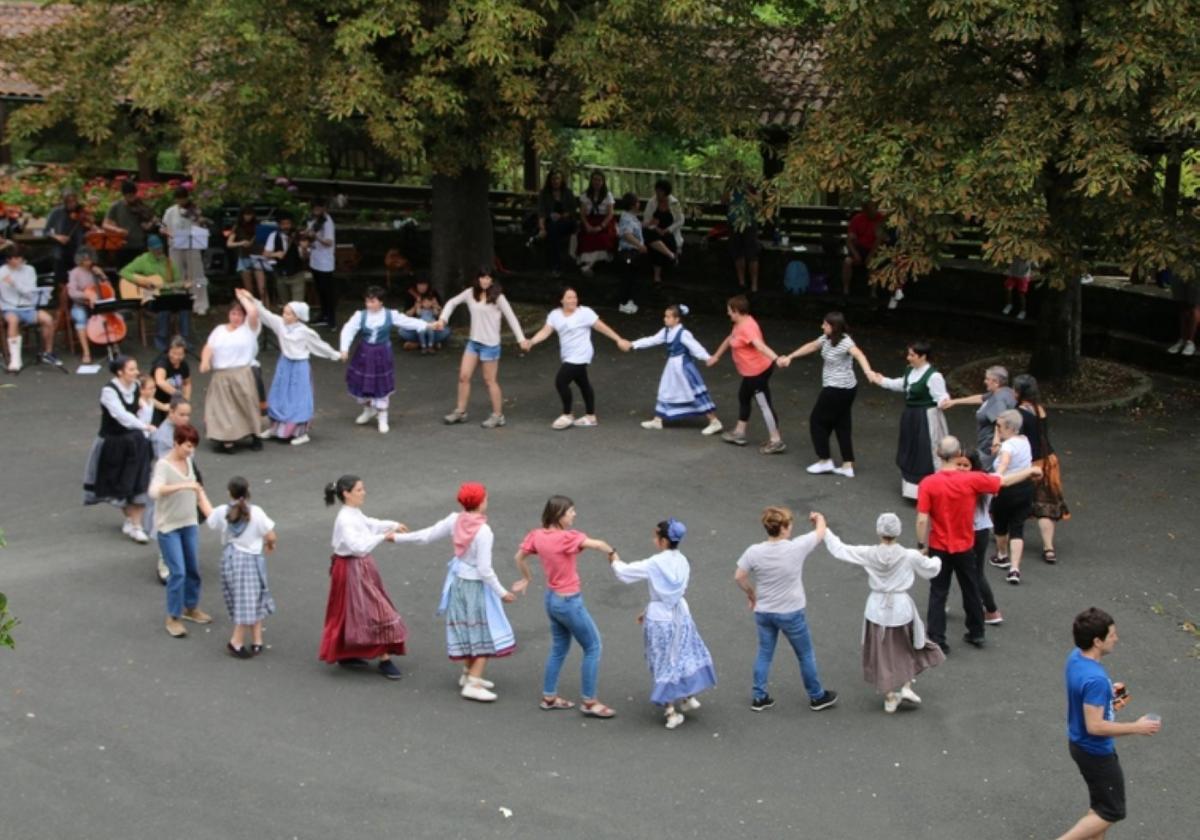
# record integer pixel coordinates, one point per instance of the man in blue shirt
(1091, 729)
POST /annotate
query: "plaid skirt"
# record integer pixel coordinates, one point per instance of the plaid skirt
(475, 622)
(244, 585)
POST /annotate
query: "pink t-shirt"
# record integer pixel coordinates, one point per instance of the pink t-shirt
(746, 357)
(557, 549)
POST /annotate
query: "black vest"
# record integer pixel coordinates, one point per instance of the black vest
(109, 425)
(289, 263)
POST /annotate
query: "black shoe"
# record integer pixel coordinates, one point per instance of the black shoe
(945, 647)
(977, 641)
(761, 704)
(222, 448)
(388, 668)
(824, 701)
(256, 444)
(353, 662)
(255, 650)
(236, 652)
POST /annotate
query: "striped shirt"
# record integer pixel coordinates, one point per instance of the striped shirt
(838, 370)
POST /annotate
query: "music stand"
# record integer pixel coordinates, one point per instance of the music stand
(171, 302)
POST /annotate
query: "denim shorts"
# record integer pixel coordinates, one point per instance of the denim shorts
(485, 352)
(80, 315)
(27, 315)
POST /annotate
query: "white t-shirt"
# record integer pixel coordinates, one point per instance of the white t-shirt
(250, 540)
(574, 334)
(777, 568)
(320, 257)
(233, 348)
(1020, 455)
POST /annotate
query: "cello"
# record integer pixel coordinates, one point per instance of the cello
(108, 327)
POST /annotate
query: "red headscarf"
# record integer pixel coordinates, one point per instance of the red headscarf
(471, 495)
(467, 525)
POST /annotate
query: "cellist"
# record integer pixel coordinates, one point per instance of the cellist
(82, 289)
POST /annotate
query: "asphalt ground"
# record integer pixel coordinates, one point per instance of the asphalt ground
(111, 729)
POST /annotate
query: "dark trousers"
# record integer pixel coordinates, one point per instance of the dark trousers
(832, 413)
(962, 566)
(568, 373)
(327, 295)
(629, 263)
(558, 234)
(982, 540)
(758, 389)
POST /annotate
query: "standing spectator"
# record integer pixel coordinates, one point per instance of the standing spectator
(322, 245)
(946, 527)
(82, 290)
(153, 273)
(243, 237)
(1020, 275)
(187, 231)
(281, 255)
(662, 221)
(741, 199)
(130, 216)
(1049, 506)
(755, 361)
(597, 233)
(1186, 293)
(996, 399)
(1092, 700)
(18, 303)
(862, 237)
(556, 217)
(771, 575)
(66, 225)
(631, 247)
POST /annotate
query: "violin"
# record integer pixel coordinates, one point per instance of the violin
(107, 328)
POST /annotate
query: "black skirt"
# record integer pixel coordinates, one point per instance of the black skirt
(118, 469)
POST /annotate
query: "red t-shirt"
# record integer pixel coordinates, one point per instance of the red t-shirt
(948, 496)
(746, 357)
(557, 549)
(865, 228)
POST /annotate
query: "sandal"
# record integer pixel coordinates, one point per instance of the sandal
(551, 704)
(1049, 556)
(597, 709)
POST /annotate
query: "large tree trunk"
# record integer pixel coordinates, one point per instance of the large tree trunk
(1059, 346)
(462, 229)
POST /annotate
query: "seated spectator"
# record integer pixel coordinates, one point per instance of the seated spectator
(662, 228)
(281, 255)
(1020, 275)
(83, 292)
(741, 200)
(598, 234)
(243, 238)
(1186, 293)
(18, 303)
(862, 238)
(12, 222)
(428, 308)
(155, 275)
(413, 295)
(556, 217)
(631, 247)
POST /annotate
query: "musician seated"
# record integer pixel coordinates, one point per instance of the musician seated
(83, 289)
(149, 276)
(18, 303)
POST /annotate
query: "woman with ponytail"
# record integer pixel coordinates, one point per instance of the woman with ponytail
(680, 664)
(247, 534)
(361, 622)
(681, 389)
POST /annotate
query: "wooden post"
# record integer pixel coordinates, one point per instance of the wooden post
(529, 156)
(1171, 182)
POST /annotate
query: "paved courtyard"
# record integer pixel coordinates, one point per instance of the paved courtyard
(111, 729)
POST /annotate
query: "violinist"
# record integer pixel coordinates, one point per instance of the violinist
(320, 236)
(186, 228)
(83, 290)
(133, 218)
(146, 271)
(66, 225)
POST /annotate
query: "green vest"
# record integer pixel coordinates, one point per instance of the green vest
(916, 394)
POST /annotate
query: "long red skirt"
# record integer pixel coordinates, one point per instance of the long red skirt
(361, 621)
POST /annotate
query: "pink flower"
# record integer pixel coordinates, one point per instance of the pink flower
(293, 188)
(281, 181)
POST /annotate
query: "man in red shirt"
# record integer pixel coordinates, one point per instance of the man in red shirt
(861, 239)
(946, 503)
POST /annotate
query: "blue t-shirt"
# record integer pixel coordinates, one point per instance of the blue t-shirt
(1087, 684)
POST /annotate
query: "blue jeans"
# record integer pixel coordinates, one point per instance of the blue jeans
(181, 552)
(795, 628)
(569, 618)
(162, 333)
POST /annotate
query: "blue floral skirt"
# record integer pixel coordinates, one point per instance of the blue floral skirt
(679, 661)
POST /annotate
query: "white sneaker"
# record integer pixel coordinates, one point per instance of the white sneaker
(690, 705)
(906, 693)
(899, 296)
(631, 308)
(654, 425)
(1087, 279)
(14, 364)
(848, 472)
(127, 528)
(463, 677)
(891, 702)
(163, 572)
(712, 428)
(383, 424)
(1007, 309)
(300, 441)
(1021, 315)
(1189, 349)
(368, 414)
(138, 535)
(474, 691)
(1176, 347)
(563, 421)
(893, 303)
(675, 720)
(820, 468)
(586, 422)
(266, 434)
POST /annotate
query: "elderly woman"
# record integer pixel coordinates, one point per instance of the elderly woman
(662, 225)
(83, 292)
(996, 398)
(118, 466)
(894, 648)
(1014, 503)
(231, 409)
(1049, 506)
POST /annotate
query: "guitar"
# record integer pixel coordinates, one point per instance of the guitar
(132, 291)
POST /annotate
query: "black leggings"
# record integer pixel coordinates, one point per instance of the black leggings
(832, 413)
(327, 294)
(568, 373)
(758, 388)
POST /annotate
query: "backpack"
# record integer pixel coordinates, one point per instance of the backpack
(795, 277)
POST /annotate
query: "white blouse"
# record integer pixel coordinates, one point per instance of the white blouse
(250, 540)
(666, 565)
(937, 384)
(666, 335)
(475, 563)
(297, 340)
(112, 404)
(485, 317)
(233, 348)
(356, 535)
(375, 321)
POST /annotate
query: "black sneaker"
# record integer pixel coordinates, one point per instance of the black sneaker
(824, 701)
(977, 641)
(388, 668)
(353, 662)
(237, 652)
(763, 703)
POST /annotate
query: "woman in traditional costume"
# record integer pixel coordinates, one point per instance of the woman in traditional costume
(371, 376)
(681, 389)
(231, 404)
(922, 424)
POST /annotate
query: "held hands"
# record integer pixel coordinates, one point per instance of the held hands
(205, 365)
(437, 325)
(783, 361)
(817, 519)
(525, 345)
(1036, 472)
(508, 597)
(519, 587)
(624, 345)
(641, 618)
(876, 377)
(712, 361)
(344, 356)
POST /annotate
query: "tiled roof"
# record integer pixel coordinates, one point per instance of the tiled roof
(18, 20)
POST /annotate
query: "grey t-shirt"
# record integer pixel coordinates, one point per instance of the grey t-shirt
(122, 215)
(995, 404)
(777, 569)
